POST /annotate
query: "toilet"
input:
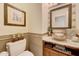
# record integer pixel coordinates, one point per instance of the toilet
(17, 48)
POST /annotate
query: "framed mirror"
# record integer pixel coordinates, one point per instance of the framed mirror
(60, 18)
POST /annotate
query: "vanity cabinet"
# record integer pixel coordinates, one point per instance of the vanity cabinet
(49, 50)
(52, 47)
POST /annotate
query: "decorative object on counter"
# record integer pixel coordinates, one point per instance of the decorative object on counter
(60, 18)
(18, 36)
(14, 38)
(59, 35)
(50, 31)
(75, 39)
(14, 16)
(77, 35)
(71, 33)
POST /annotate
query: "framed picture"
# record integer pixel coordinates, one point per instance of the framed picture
(60, 18)
(14, 16)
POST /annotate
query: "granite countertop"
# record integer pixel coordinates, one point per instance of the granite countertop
(67, 42)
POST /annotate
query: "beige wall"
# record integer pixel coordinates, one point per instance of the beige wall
(33, 19)
(36, 44)
(77, 16)
(5, 30)
(44, 17)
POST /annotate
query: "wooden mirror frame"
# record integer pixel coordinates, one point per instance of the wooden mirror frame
(69, 6)
(6, 19)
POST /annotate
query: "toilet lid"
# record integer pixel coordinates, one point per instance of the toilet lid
(26, 53)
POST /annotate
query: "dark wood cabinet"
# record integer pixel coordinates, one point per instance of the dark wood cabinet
(49, 50)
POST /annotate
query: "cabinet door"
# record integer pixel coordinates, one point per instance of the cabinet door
(46, 52)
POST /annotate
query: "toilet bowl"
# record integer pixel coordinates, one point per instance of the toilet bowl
(26, 53)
